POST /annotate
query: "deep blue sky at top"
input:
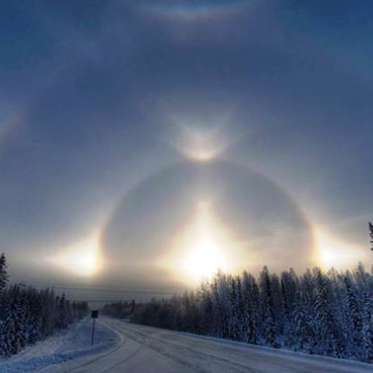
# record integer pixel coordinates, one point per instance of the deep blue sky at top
(87, 89)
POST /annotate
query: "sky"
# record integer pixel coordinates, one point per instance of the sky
(147, 143)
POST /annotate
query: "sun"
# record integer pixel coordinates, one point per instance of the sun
(201, 248)
(204, 260)
(204, 256)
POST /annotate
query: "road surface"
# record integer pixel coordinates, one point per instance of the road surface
(144, 349)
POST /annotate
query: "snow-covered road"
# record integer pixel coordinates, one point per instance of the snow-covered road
(144, 349)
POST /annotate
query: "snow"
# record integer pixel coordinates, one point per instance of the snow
(125, 347)
(67, 345)
(146, 349)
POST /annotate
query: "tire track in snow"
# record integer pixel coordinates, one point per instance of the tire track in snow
(154, 342)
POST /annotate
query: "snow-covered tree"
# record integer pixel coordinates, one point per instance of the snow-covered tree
(368, 329)
(327, 331)
(354, 322)
(3, 273)
(268, 309)
(250, 294)
(324, 313)
(28, 315)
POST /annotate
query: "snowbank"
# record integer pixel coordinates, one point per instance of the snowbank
(67, 345)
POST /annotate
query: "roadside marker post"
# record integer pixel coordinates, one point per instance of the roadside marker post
(94, 316)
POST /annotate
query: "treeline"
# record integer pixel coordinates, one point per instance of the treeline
(28, 315)
(318, 313)
(120, 310)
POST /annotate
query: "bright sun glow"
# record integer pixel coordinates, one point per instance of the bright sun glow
(202, 247)
(332, 252)
(82, 259)
(205, 257)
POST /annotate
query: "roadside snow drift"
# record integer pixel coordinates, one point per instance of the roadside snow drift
(67, 345)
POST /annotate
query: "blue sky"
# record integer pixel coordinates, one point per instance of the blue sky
(99, 99)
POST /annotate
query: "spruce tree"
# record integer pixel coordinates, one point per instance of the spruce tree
(269, 327)
(329, 338)
(368, 329)
(3, 273)
(250, 294)
(355, 319)
(290, 295)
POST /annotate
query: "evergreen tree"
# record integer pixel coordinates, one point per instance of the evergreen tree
(329, 314)
(62, 312)
(355, 318)
(3, 284)
(34, 331)
(3, 273)
(368, 329)
(13, 330)
(269, 327)
(250, 294)
(289, 290)
(278, 304)
(329, 339)
(28, 315)
(206, 310)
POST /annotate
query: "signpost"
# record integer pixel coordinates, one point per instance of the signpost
(94, 316)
